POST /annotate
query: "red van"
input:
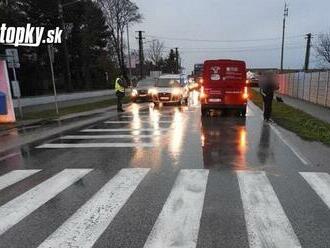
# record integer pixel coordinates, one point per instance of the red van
(224, 86)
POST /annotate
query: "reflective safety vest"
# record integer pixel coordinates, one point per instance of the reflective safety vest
(118, 87)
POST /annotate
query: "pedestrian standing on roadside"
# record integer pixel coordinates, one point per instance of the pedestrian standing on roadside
(267, 89)
(120, 93)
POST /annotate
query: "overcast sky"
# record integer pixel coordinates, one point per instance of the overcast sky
(234, 20)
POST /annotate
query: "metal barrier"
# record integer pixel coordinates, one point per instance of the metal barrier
(312, 87)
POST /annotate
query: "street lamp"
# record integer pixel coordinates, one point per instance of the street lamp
(65, 47)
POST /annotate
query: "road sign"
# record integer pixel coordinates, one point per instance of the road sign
(12, 58)
(16, 88)
(5, 88)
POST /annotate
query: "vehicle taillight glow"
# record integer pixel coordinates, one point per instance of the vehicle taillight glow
(245, 94)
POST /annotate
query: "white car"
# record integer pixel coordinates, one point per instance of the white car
(170, 89)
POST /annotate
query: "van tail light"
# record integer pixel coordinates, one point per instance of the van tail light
(203, 95)
(245, 93)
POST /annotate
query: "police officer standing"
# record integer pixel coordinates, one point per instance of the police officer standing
(267, 89)
(120, 93)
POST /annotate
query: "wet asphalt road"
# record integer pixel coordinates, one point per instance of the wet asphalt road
(218, 181)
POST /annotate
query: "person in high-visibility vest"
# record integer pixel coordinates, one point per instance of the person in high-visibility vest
(120, 93)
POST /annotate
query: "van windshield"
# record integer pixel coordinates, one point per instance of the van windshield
(167, 83)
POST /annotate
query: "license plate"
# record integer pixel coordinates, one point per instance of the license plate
(214, 100)
(143, 95)
(164, 98)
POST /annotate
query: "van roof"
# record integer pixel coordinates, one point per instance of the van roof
(170, 76)
(224, 61)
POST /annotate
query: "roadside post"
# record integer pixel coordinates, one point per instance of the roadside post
(50, 50)
(13, 63)
(9, 115)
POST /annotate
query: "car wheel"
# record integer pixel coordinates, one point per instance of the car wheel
(243, 112)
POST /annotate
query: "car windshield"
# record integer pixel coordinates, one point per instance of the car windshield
(145, 84)
(167, 83)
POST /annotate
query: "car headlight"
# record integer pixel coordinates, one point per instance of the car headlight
(134, 92)
(152, 91)
(176, 91)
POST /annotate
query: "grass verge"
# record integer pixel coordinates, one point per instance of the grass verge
(51, 114)
(297, 121)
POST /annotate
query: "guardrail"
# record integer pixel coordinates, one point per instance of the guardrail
(312, 87)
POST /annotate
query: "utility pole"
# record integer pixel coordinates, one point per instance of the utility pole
(141, 55)
(308, 51)
(129, 55)
(65, 48)
(177, 59)
(286, 14)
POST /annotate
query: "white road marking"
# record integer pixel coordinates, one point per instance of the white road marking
(320, 183)
(267, 224)
(144, 116)
(301, 157)
(178, 223)
(14, 177)
(124, 130)
(298, 154)
(17, 209)
(9, 156)
(84, 227)
(128, 122)
(96, 145)
(115, 136)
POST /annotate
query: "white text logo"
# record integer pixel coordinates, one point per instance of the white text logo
(29, 36)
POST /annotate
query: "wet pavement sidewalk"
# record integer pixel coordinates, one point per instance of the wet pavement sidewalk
(22, 133)
(317, 111)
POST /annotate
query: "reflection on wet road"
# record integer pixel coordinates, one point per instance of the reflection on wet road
(163, 177)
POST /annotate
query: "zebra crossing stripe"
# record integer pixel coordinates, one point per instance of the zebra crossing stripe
(124, 130)
(119, 136)
(267, 224)
(129, 122)
(320, 183)
(14, 177)
(178, 223)
(97, 145)
(84, 227)
(17, 209)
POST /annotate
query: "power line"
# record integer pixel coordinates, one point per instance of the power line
(242, 50)
(224, 41)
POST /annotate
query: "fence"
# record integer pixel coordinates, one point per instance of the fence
(312, 87)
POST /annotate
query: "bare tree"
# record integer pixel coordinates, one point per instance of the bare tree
(155, 52)
(323, 47)
(118, 14)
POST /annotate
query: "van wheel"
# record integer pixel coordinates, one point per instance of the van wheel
(243, 112)
(205, 112)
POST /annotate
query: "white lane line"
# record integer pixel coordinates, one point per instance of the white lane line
(84, 227)
(128, 122)
(295, 151)
(115, 136)
(14, 177)
(320, 183)
(178, 223)
(267, 224)
(124, 130)
(301, 157)
(17, 209)
(144, 116)
(96, 145)
(9, 156)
